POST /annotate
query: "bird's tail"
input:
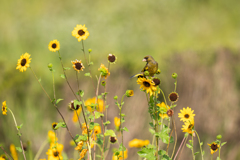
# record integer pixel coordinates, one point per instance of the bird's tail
(139, 75)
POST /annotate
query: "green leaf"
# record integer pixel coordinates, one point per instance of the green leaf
(123, 115)
(201, 143)
(152, 131)
(223, 143)
(106, 106)
(81, 92)
(189, 146)
(218, 158)
(58, 100)
(151, 124)
(20, 126)
(39, 80)
(76, 102)
(76, 137)
(122, 103)
(148, 153)
(173, 106)
(19, 149)
(186, 134)
(161, 152)
(66, 68)
(203, 153)
(125, 129)
(106, 123)
(62, 76)
(166, 157)
(82, 138)
(91, 63)
(196, 153)
(98, 114)
(164, 135)
(91, 117)
(91, 126)
(109, 133)
(99, 96)
(87, 74)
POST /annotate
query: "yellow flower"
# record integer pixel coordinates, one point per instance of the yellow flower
(147, 85)
(42, 159)
(97, 130)
(100, 107)
(54, 45)
(163, 106)
(213, 147)
(54, 124)
(52, 137)
(76, 114)
(77, 65)
(117, 121)
(3, 157)
(138, 143)
(79, 146)
(104, 71)
(13, 152)
(80, 32)
(82, 154)
(23, 62)
(186, 114)
(4, 108)
(55, 151)
(121, 158)
(188, 126)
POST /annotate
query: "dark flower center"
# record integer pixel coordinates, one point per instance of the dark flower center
(56, 154)
(173, 97)
(214, 147)
(112, 58)
(156, 81)
(81, 32)
(186, 116)
(23, 62)
(170, 112)
(3, 107)
(146, 84)
(54, 125)
(78, 66)
(190, 126)
(54, 45)
(113, 139)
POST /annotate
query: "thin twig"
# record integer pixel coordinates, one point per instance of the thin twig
(7, 153)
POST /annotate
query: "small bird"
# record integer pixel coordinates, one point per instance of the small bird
(151, 66)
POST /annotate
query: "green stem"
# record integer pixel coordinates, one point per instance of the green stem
(175, 86)
(175, 131)
(54, 92)
(219, 149)
(200, 143)
(19, 135)
(163, 96)
(121, 128)
(192, 150)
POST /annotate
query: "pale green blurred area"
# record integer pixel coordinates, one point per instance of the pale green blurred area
(186, 37)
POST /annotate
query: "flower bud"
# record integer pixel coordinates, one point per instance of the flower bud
(146, 73)
(174, 75)
(129, 93)
(89, 50)
(219, 136)
(112, 139)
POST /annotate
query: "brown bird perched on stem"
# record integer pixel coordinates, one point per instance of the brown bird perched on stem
(151, 66)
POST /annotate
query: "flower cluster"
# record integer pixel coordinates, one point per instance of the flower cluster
(187, 116)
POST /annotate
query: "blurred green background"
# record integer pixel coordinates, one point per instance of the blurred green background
(198, 39)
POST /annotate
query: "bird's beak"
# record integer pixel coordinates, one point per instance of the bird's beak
(144, 60)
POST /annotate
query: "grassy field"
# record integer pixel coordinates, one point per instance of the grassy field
(187, 37)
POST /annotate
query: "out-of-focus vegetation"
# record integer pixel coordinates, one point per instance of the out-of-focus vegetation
(186, 37)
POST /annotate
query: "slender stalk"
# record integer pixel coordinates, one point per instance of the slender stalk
(6, 153)
(192, 150)
(40, 149)
(175, 131)
(163, 96)
(66, 75)
(18, 133)
(156, 124)
(54, 92)
(78, 119)
(88, 65)
(219, 149)
(169, 139)
(180, 147)
(54, 106)
(121, 128)
(200, 144)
